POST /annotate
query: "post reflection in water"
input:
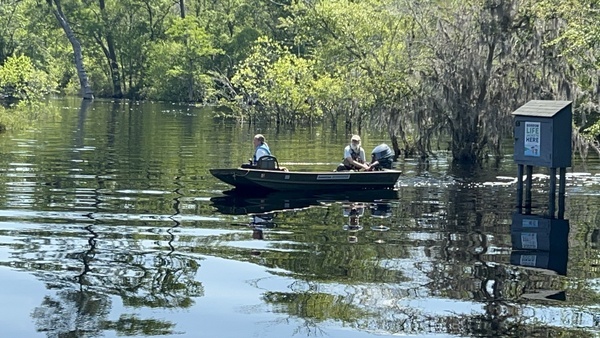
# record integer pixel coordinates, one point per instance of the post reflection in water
(541, 242)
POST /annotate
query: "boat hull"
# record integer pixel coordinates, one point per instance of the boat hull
(277, 180)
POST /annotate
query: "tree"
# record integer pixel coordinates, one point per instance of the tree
(109, 50)
(86, 89)
(178, 64)
(483, 60)
(362, 45)
(20, 81)
(577, 38)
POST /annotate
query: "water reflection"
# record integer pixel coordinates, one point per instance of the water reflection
(84, 294)
(264, 209)
(113, 214)
(380, 211)
(541, 242)
(238, 204)
(260, 222)
(353, 211)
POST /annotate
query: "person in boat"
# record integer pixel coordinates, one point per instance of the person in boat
(261, 148)
(354, 156)
(382, 157)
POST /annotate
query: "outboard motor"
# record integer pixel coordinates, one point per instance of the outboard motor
(383, 155)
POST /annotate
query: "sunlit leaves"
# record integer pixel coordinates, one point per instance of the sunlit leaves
(13, 32)
(577, 39)
(578, 21)
(251, 74)
(22, 88)
(360, 42)
(346, 54)
(188, 32)
(177, 63)
(290, 86)
(21, 81)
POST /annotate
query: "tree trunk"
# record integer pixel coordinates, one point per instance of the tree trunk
(112, 55)
(86, 89)
(190, 79)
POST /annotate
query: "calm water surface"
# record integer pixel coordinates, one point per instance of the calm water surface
(111, 225)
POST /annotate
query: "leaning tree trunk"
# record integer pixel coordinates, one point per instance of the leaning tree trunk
(86, 89)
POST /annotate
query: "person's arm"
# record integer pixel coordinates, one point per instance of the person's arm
(352, 161)
(373, 165)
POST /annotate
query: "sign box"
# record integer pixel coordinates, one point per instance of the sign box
(542, 134)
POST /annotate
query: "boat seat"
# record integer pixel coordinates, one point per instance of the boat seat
(268, 162)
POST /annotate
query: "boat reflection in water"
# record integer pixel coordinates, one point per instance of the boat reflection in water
(355, 211)
(234, 203)
(263, 208)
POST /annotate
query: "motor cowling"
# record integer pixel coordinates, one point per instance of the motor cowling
(384, 155)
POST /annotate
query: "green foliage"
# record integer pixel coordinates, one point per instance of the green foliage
(21, 82)
(282, 84)
(421, 70)
(251, 74)
(577, 41)
(361, 47)
(592, 132)
(290, 87)
(13, 31)
(177, 65)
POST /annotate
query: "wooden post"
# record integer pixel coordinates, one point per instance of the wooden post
(528, 184)
(552, 193)
(520, 187)
(561, 193)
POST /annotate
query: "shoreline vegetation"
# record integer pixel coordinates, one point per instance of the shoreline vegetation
(416, 70)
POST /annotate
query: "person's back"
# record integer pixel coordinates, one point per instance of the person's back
(263, 158)
(261, 148)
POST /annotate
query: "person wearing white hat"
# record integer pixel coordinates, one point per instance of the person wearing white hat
(354, 156)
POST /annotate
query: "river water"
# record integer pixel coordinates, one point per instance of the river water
(111, 225)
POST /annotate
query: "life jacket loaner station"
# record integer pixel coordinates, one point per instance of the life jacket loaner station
(542, 133)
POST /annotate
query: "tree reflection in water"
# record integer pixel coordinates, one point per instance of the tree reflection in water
(82, 303)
